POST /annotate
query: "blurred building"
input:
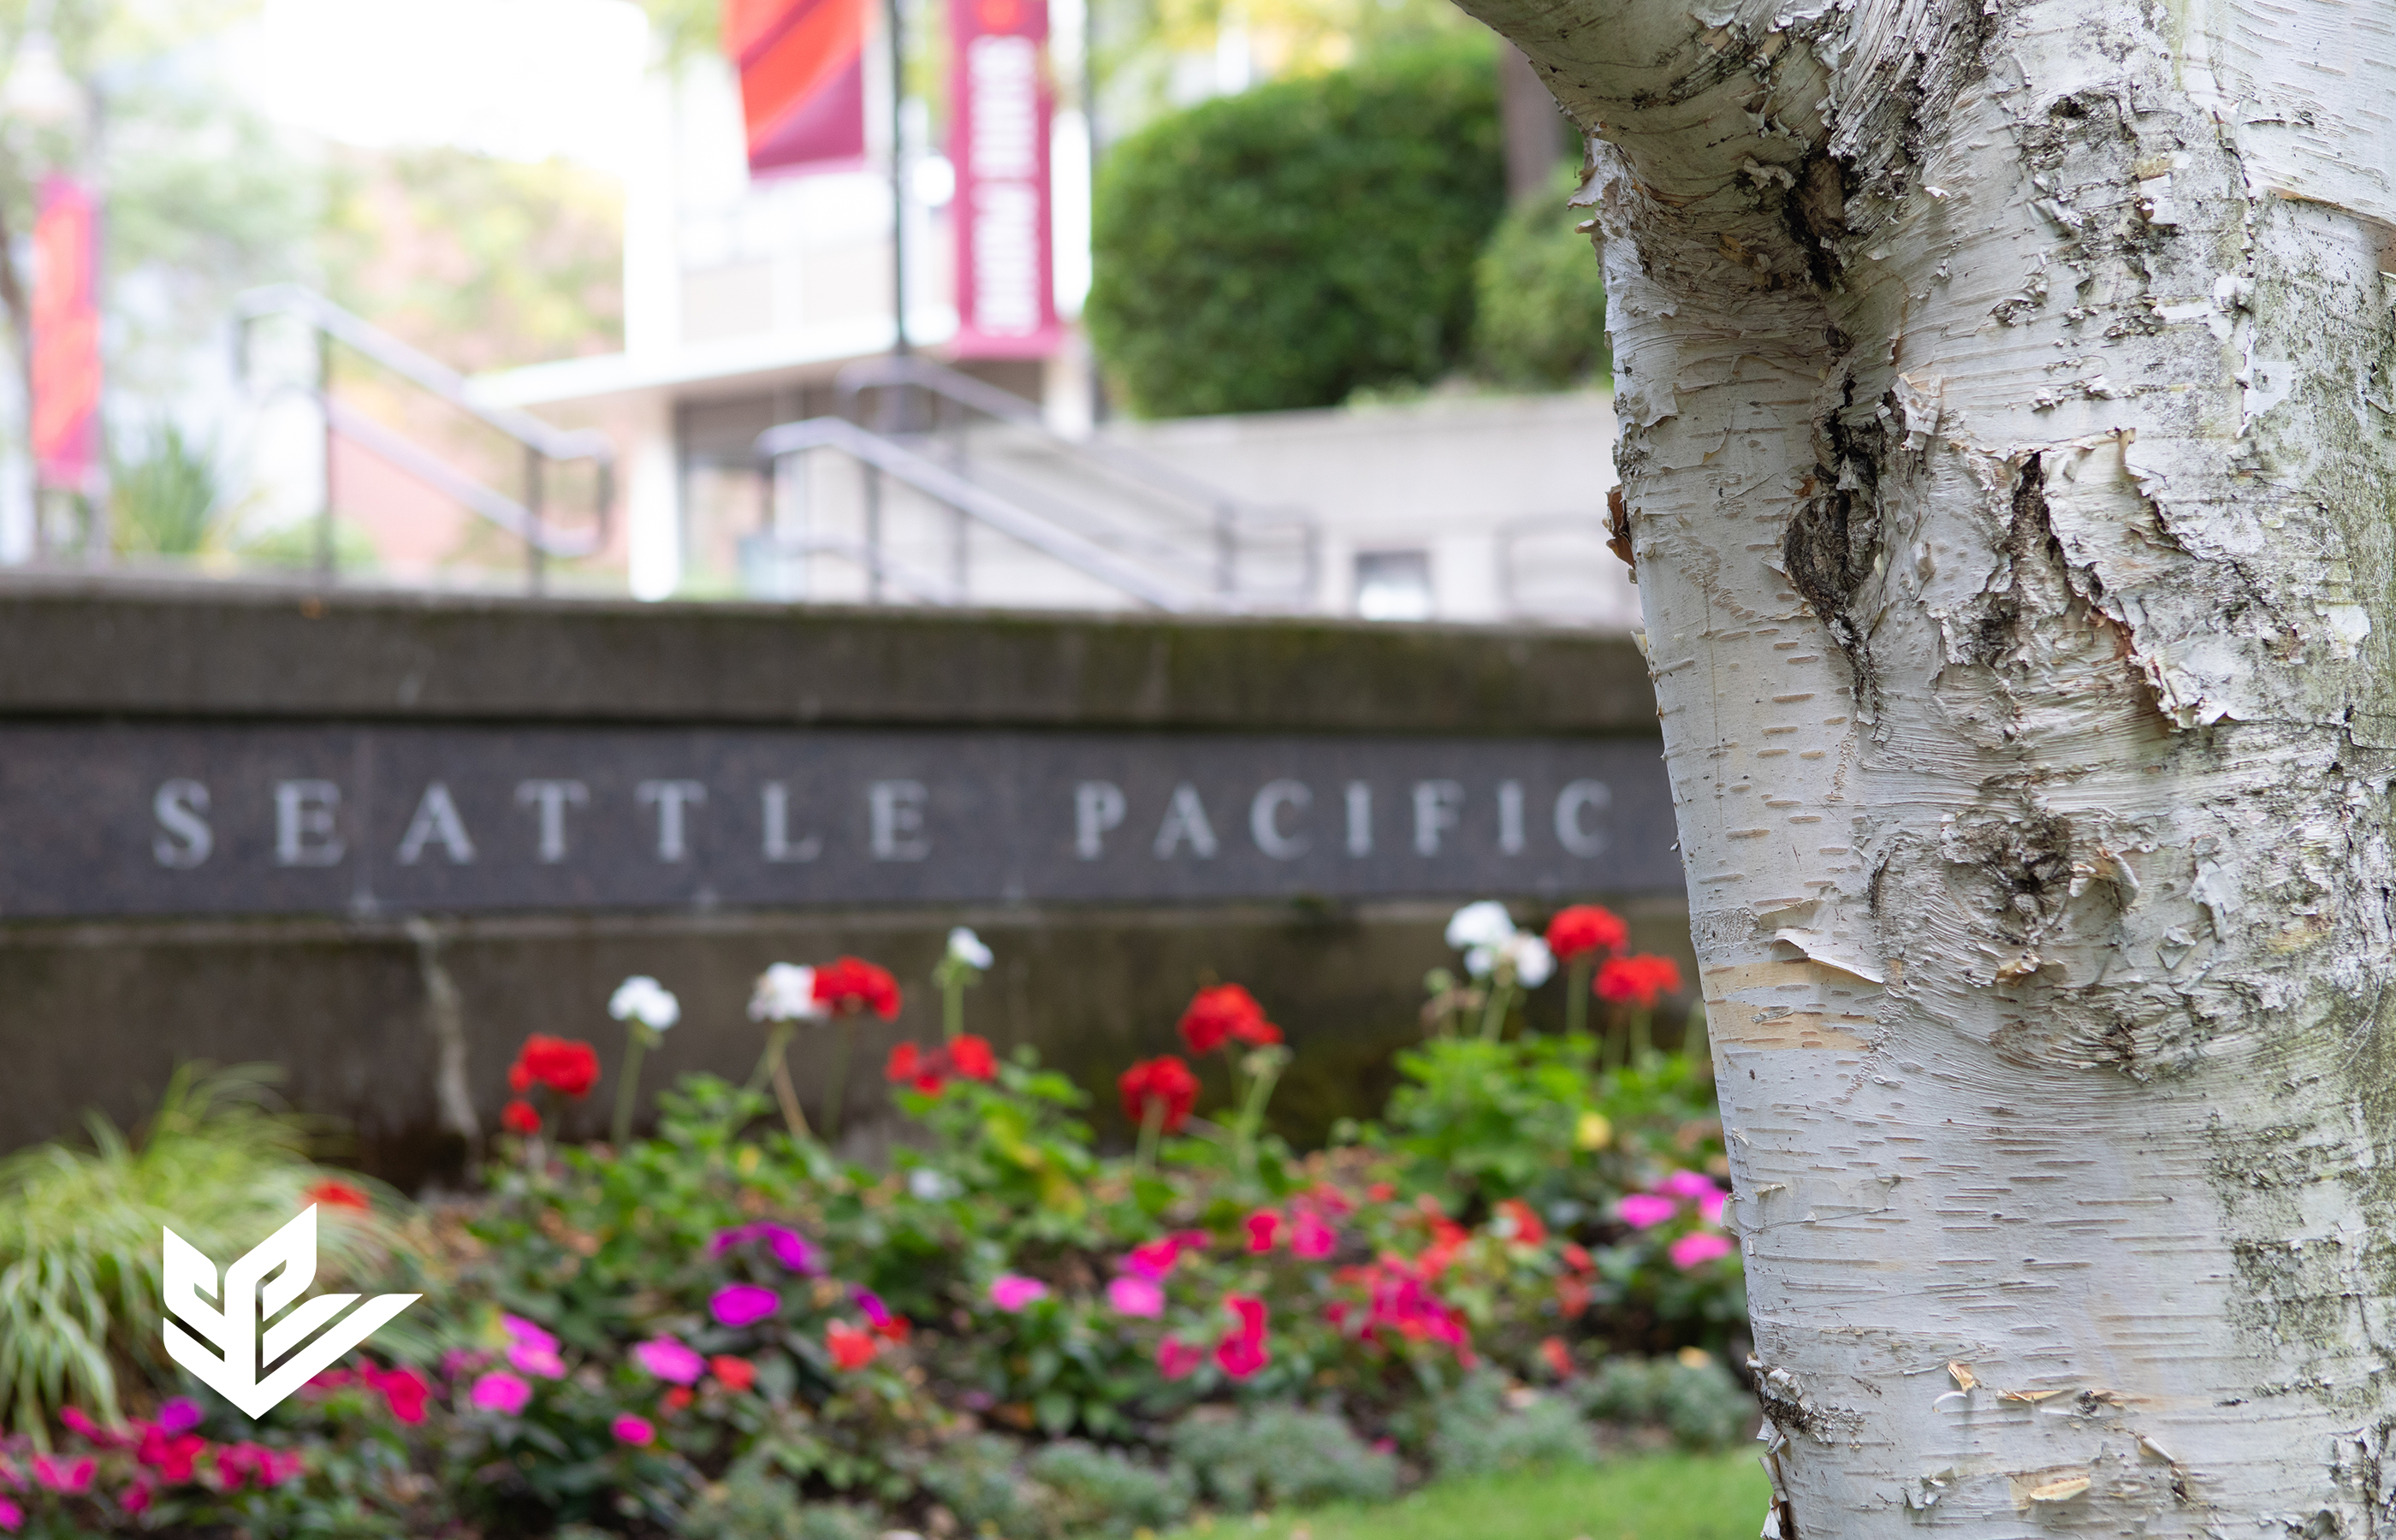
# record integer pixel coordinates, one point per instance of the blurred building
(757, 301)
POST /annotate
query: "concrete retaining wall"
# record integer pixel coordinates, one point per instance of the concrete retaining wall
(401, 1024)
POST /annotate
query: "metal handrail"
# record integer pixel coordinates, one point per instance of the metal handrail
(542, 442)
(975, 502)
(1231, 514)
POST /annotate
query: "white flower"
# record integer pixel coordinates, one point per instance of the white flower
(966, 947)
(1533, 961)
(643, 998)
(786, 993)
(932, 1186)
(1485, 924)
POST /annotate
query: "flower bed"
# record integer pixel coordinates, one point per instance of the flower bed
(726, 1329)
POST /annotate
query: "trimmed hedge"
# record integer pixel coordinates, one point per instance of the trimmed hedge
(1280, 248)
(1539, 317)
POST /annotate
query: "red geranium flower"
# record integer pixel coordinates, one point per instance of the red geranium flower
(971, 1057)
(1585, 928)
(1639, 980)
(851, 1348)
(335, 1193)
(1524, 1223)
(568, 1067)
(851, 984)
(733, 1373)
(1164, 1080)
(1224, 1013)
(518, 1117)
(968, 1057)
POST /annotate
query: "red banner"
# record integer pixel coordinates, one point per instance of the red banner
(1001, 101)
(66, 336)
(802, 66)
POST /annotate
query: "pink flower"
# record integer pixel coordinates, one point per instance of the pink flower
(59, 1474)
(1643, 1210)
(669, 1360)
(1156, 1258)
(1133, 1295)
(404, 1391)
(1688, 1183)
(1711, 1206)
(1310, 1238)
(1012, 1292)
(870, 1303)
(180, 1415)
(1263, 1227)
(1178, 1360)
(73, 1417)
(502, 1392)
(636, 1431)
(742, 1304)
(525, 1333)
(539, 1362)
(1696, 1248)
(134, 1498)
(12, 1518)
(1242, 1350)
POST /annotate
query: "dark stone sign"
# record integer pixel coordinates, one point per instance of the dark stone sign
(378, 820)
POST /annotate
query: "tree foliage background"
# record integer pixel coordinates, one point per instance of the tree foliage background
(1283, 247)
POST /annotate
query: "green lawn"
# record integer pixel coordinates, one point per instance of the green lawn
(1651, 1497)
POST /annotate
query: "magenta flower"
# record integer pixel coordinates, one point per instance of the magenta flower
(180, 1415)
(1155, 1259)
(1264, 1226)
(789, 1248)
(1711, 1206)
(12, 1518)
(1178, 1360)
(741, 1305)
(1688, 1183)
(1133, 1295)
(669, 1360)
(526, 1333)
(1012, 1292)
(870, 1303)
(502, 1392)
(636, 1431)
(59, 1474)
(1697, 1248)
(1645, 1209)
(1310, 1238)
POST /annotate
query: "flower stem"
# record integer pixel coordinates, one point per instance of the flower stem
(1639, 1020)
(1151, 1130)
(1252, 1114)
(628, 1084)
(1502, 995)
(778, 1043)
(792, 1115)
(1577, 994)
(835, 1090)
(952, 1006)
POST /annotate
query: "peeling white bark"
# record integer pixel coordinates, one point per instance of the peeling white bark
(2008, 392)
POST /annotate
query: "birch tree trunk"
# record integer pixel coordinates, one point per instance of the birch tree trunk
(2006, 390)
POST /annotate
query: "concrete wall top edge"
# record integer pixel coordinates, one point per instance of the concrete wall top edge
(89, 649)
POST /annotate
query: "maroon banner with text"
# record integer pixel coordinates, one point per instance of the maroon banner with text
(1001, 103)
(66, 336)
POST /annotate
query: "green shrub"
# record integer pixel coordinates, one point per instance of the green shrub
(749, 1504)
(1280, 1454)
(1280, 248)
(79, 1252)
(169, 501)
(1539, 320)
(1697, 1399)
(977, 1479)
(1098, 1491)
(1482, 1431)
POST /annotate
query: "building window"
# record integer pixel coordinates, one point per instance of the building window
(1393, 585)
